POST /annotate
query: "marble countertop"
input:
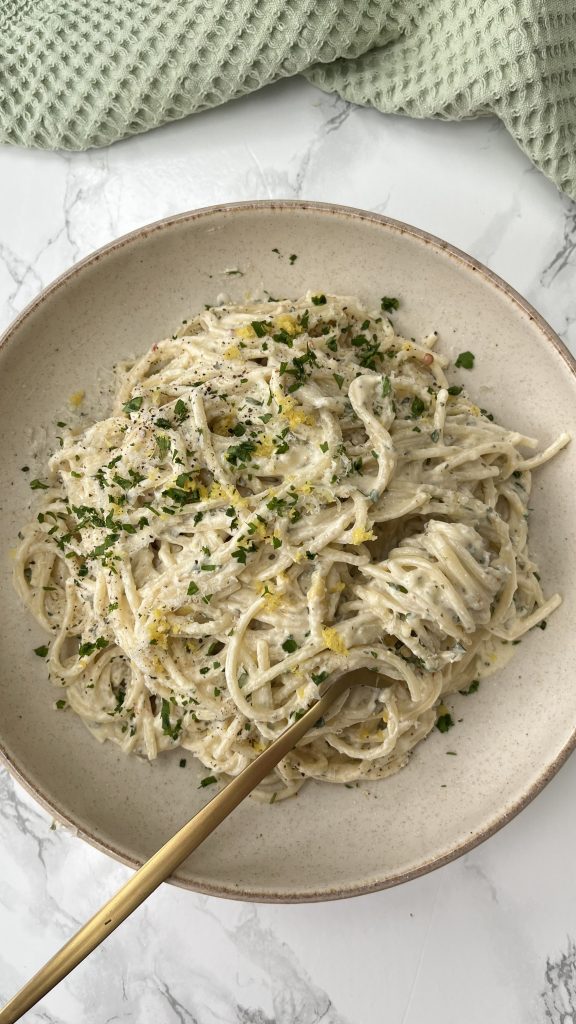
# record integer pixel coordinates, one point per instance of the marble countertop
(489, 937)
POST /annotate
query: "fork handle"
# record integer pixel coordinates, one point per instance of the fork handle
(163, 863)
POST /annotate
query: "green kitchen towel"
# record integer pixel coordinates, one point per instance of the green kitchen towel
(78, 74)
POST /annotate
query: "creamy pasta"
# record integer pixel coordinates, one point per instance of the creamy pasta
(283, 490)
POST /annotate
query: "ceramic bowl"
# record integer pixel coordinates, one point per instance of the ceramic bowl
(511, 737)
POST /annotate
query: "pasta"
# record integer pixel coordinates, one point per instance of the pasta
(283, 490)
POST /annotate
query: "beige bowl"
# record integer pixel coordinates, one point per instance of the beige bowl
(515, 732)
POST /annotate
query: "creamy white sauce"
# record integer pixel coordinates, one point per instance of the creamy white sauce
(282, 491)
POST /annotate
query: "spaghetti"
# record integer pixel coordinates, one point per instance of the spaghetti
(283, 491)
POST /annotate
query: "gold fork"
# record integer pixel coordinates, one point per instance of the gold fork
(163, 863)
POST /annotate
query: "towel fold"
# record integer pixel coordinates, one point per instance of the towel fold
(75, 75)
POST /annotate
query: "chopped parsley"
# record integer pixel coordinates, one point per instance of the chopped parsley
(167, 728)
(181, 497)
(283, 338)
(163, 444)
(193, 588)
(387, 304)
(41, 651)
(398, 586)
(319, 300)
(37, 485)
(88, 648)
(455, 389)
(133, 405)
(319, 677)
(444, 722)
(465, 360)
(60, 704)
(417, 407)
(289, 645)
(180, 411)
(260, 328)
(471, 689)
(242, 452)
(209, 780)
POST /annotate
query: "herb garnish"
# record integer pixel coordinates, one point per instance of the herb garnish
(319, 677)
(133, 405)
(208, 781)
(163, 444)
(417, 407)
(444, 722)
(167, 728)
(180, 411)
(397, 586)
(242, 452)
(465, 360)
(471, 689)
(88, 648)
(260, 328)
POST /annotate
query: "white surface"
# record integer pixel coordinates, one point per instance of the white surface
(486, 938)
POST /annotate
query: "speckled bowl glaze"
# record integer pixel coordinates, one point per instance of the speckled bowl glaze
(511, 737)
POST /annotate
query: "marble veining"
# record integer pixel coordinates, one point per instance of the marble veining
(489, 937)
(559, 994)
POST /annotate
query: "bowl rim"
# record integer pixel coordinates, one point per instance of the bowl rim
(459, 257)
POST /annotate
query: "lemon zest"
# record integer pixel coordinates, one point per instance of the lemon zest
(333, 640)
(359, 535)
(76, 399)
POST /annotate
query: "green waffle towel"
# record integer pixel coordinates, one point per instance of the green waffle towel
(75, 74)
